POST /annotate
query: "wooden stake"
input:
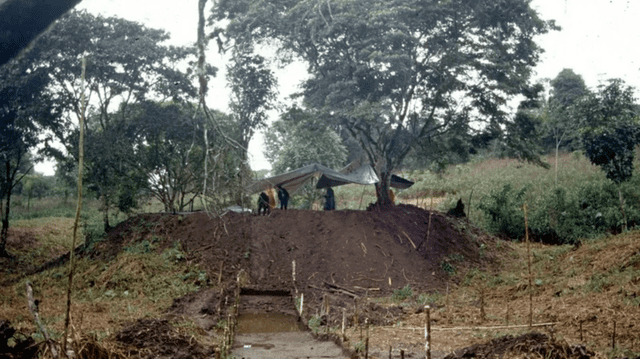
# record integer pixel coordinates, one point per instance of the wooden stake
(507, 313)
(33, 308)
(426, 238)
(613, 337)
(481, 292)
(301, 304)
(293, 265)
(356, 320)
(526, 235)
(581, 338)
(389, 351)
(401, 353)
(344, 319)
(469, 207)
(427, 332)
(81, 120)
(366, 342)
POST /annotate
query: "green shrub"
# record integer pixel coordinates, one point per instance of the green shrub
(503, 211)
(402, 294)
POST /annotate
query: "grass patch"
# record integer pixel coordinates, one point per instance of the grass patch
(138, 283)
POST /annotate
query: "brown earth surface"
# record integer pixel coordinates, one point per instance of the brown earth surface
(342, 258)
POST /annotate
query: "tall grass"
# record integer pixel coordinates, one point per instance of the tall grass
(582, 203)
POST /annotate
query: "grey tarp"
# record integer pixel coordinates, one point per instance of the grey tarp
(293, 180)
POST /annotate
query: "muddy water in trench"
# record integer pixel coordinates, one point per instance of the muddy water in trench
(268, 328)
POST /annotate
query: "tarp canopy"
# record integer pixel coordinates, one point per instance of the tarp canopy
(293, 180)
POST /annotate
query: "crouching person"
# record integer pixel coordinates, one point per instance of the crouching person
(263, 204)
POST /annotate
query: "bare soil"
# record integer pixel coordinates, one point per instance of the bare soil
(342, 259)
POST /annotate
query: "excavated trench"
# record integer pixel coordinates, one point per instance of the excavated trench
(268, 327)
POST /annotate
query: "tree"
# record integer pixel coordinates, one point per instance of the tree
(170, 141)
(560, 122)
(394, 72)
(611, 131)
(252, 92)
(127, 64)
(299, 138)
(25, 110)
(252, 95)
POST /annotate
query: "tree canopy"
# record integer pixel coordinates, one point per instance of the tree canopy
(299, 138)
(128, 65)
(26, 110)
(393, 72)
(611, 129)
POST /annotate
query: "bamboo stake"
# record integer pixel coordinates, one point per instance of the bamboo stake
(33, 308)
(507, 314)
(581, 338)
(356, 320)
(366, 342)
(81, 121)
(426, 238)
(301, 304)
(361, 197)
(613, 337)
(469, 207)
(344, 318)
(526, 235)
(427, 332)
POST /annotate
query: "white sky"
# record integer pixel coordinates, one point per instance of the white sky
(599, 40)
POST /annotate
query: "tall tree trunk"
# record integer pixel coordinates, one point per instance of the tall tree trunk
(5, 229)
(105, 217)
(4, 234)
(624, 214)
(382, 189)
(557, 148)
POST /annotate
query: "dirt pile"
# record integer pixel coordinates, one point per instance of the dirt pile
(155, 338)
(525, 345)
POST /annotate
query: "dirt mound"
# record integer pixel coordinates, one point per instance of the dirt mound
(154, 338)
(346, 253)
(534, 343)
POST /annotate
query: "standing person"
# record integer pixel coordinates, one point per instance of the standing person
(283, 196)
(329, 202)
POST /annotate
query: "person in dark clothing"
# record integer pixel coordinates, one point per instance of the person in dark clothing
(329, 202)
(283, 197)
(263, 204)
(458, 210)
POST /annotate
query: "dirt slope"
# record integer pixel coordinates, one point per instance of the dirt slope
(363, 253)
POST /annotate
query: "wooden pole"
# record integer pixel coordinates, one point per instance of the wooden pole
(526, 235)
(33, 308)
(76, 222)
(344, 318)
(356, 320)
(469, 207)
(366, 342)
(301, 304)
(613, 337)
(507, 314)
(427, 332)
